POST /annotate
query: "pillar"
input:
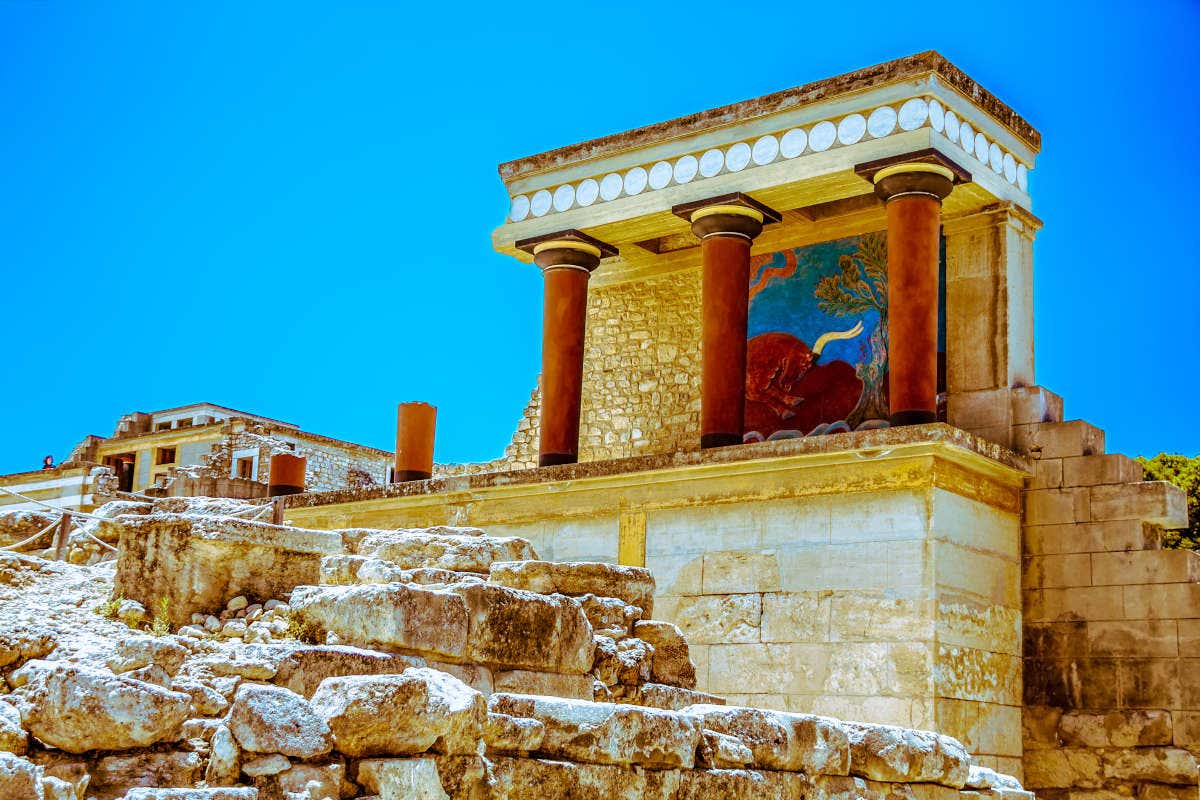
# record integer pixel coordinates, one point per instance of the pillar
(567, 260)
(726, 227)
(913, 193)
(287, 474)
(415, 425)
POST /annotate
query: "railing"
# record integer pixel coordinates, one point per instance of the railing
(61, 527)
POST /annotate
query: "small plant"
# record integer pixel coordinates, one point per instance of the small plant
(161, 625)
(305, 631)
(109, 608)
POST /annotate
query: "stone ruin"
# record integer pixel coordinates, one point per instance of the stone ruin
(223, 659)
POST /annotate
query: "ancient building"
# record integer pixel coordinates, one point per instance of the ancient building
(788, 365)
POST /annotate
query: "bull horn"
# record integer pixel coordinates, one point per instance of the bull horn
(833, 336)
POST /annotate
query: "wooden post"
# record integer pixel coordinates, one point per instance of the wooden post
(60, 537)
(277, 510)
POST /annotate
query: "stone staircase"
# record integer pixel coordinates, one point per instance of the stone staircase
(1112, 620)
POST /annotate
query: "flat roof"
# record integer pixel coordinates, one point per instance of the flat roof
(900, 69)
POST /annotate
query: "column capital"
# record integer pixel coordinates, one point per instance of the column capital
(924, 172)
(733, 214)
(569, 249)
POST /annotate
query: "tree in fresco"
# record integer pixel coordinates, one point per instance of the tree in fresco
(860, 286)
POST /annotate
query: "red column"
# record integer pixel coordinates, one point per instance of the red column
(726, 227)
(287, 474)
(913, 193)
(415, 425)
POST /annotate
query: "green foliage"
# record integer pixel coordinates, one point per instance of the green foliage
(161, 625)
(109, 608)
(862, 283)
(1184, 472)
(307, 632)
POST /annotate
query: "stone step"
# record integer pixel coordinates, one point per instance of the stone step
(1035, 404)
(634, 585)
(1157, 502)
(1101, 469)
(1058, 439)
(463, 552)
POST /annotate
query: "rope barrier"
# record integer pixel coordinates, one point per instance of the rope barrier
(47, 505)
(31, 539)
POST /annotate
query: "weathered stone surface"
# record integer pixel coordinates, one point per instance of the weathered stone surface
(672, 663)
(1151, 764)
(57, 789)
(113, 776)
(519, 778)
(607, 733)
(19, 779)
(77, 709)
(241, 793)
(985, 778)
(553, 684)
(1063, 768)
(395, 616)
(634, 585)
(13, 738)
(224, 763)
(515, 629)
(271, 719)
(402, 778)
(140, 651)
(312, 780)
(384, 715)
(303, 670)
(610, 616)
(726, 619)
(413, 549)
(512, 734)
(888, 753)
(735, 784)
(197, 563)
(266, 766)
(722, 751)
(206, 700)
(1115, 729)
(22, 643)
(628, 662)
(668, 698)
(781, 741)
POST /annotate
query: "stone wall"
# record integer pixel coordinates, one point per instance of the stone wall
(1112, 622)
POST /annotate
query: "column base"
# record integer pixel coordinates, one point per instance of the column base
(708, 440)
(279, 489)
(912, 417)
(405, 475)
(554, 459)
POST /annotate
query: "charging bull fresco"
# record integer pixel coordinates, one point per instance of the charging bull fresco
(817, 352)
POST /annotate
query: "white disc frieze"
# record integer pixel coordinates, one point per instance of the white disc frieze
(966, 137)
(951, 126)
(881, 122)
(1010, 168)
(981, 147)
(540, 203)
(635, 181)
(685, 169)
(793, 143)
(660, 175)
(737, 158)
(711, 162)
(996, 157)
(937, 116)
(913, 114)
(519, 209)
(586, 194)
(610, 186)
(765, 150)
(852, 129)
(1022, 178)
(564, 197)
(822, 136)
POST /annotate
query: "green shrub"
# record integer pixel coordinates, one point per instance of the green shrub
(1184, 472)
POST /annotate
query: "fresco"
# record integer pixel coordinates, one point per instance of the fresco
(817, 349)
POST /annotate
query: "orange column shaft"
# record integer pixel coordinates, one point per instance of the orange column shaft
(564, 323)
(726, 268)
(914, 223)
(415, 425)
(287, 474)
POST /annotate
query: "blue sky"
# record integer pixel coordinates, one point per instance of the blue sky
(286, 207)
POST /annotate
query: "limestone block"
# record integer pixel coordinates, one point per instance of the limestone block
(1092, 537)
(395, 615)
(1157, 502)
(402, 779)
(1101, 469)
(967, 673)
(791, 617)
(768, 668)
(782, 741)
(881, 668)
(677, 574)
(509, 734)
(610, 616)
(984, 728)
(386, 715)
(553, 684)
(607, 733)
(888, 753)
(1160, 600)
(1151, 764)
(1059, 439)
(265, 767)
(716, 619)
(1145, 566)
(1189, 638)
(477, 677)
(669, 698)
(734, 571)
(224, 763)
(241, 793)
(140, 651)
(519, 778)
(634, 585)
(76, 708)
(114, 776)
(968, 623)
(303, 670)
(1133, 638)
(311, 780)
(627, 662)
(1121, 728)
(671, 663)
(1034, 404)
(19, 779)
(515, 629)
(412, 549)
(13, 738)
(722, 751)
(197, 563)
(1101, 602)
(1063, 768)
(875, 616)
(271, 719)
(56, 789)
(1056, 506)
